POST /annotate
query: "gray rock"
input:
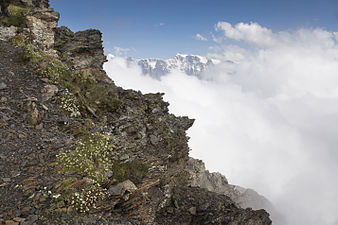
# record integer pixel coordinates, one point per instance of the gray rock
(192, 210)
(153, 139)
(48, 92)
(6, 179)
(41, 23)
(3, 86)
(30, 220)
(6, 33)
(3, 99)
(124, 157)
(121, 188)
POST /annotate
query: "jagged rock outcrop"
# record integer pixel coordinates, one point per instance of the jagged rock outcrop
(75, 148)
(82, 50)
(216, 182)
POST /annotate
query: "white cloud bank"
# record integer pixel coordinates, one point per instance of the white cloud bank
(268, 120)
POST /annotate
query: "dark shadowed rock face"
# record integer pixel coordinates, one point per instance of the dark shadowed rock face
(76, 149)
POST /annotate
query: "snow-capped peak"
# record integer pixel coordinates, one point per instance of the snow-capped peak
(190, 64)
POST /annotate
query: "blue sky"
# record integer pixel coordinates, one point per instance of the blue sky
(162, 28)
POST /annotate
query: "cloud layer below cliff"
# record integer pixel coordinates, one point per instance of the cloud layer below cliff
(266, 116)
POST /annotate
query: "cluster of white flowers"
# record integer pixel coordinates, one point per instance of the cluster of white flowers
(87, 199)
(69, 103)
(48, 193)
(91, 157)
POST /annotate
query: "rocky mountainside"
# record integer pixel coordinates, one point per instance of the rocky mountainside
(77, 149)
(192, 65)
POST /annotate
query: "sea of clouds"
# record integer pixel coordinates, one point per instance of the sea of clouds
(266, 115)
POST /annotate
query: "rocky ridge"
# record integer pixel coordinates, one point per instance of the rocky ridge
(75, 148)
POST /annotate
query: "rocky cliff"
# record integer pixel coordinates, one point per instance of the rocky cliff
(77, 149)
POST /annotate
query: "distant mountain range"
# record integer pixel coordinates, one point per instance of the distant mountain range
(192, 65)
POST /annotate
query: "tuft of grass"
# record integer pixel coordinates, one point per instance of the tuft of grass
(134, 171)
(18, 40)
(87, 90)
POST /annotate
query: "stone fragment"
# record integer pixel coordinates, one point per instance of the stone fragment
(3, 86)
(3, 123)
(39, 126)
(153, 139)
(26, 210)
(92, 111)
(30, 220)
(19, 219)
(49, 91)
(124, 157)
(44, 107)
(192, 210)
(121, 188)
(33, 113)
(6, 179)
(3, 99)
(11, 222)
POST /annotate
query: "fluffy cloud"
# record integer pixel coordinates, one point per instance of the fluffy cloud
(252, 33)
(200, 37)
(118, 51)
(265, 116)
(159, 25)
